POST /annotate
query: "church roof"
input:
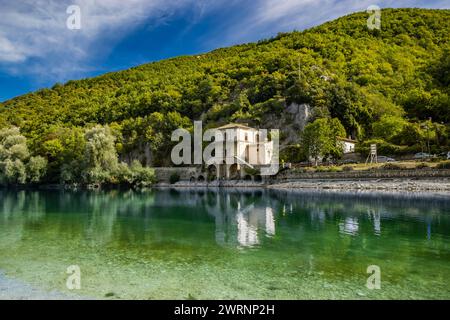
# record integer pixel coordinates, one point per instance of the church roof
(235, 125)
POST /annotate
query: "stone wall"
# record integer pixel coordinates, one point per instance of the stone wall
(186, 173)
(197, 174)
(373, 174)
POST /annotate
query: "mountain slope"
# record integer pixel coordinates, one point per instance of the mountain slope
(340, 69)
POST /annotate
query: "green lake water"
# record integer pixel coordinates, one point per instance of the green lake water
(228, 244)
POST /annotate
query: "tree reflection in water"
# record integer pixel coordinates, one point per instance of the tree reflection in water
(241, 217)
(232, 238)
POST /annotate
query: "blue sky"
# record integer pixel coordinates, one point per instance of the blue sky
(38, 50)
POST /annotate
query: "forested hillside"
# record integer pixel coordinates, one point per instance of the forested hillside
(390, 85)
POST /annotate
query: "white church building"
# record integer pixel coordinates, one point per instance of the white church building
(251, 149)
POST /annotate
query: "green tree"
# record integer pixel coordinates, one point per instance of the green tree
(16, 164)
(62, 147)
(442, 67)
(320, 139)
(36, 168)
(389, 127)
(100, 155)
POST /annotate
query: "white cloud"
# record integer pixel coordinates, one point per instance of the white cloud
(265, 18)
(9, 52)
(34, 36)
(269, 17)
(270, 11)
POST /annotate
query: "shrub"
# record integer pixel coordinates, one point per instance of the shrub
(174, 178)
(444, 165)
(328, 169)
(391, 166)
(146, 176)
(382, 146)
(334, 169)
(142, 176)
(299, 170)
(124, 174)
(251, 171)
(293, 154)
(36, 169)
(422, 165)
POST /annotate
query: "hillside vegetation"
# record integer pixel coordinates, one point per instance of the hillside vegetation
(389, 86)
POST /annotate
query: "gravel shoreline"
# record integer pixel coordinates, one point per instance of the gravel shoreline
(441, 185)
(432, 185)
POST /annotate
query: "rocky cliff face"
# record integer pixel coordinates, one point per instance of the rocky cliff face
(301, 114)
(291, 123)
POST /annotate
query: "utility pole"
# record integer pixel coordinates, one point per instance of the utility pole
(428, 136)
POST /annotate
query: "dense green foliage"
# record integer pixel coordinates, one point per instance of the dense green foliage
(16, 164)
(381, 84)
(96, 161)
(320, 139)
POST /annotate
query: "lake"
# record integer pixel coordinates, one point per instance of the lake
(228, 244)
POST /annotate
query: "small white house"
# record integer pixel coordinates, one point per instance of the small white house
(348, 145)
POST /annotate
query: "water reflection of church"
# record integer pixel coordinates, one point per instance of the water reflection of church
(241, 218)
(243, 226)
